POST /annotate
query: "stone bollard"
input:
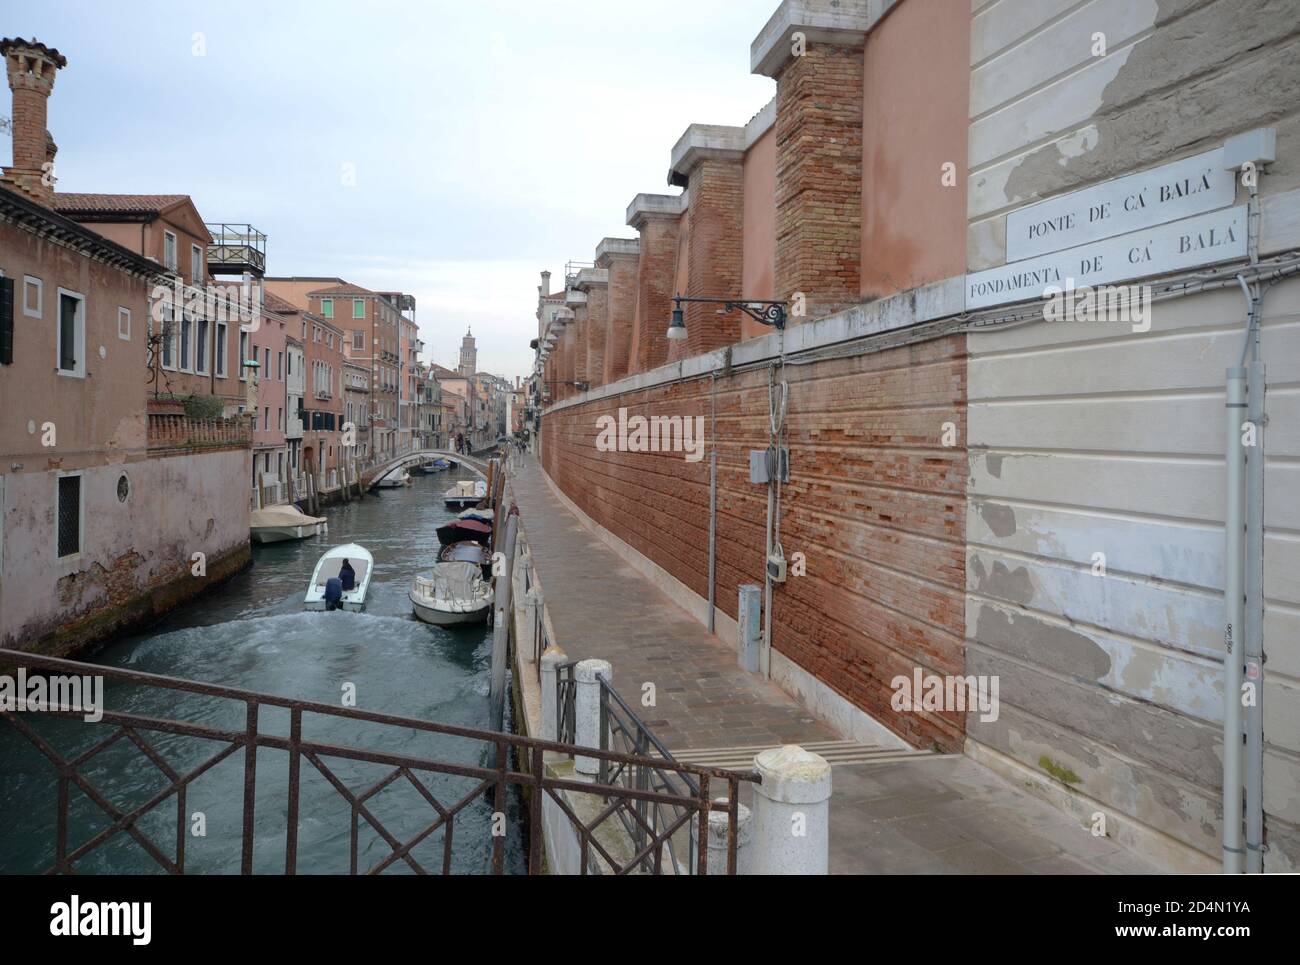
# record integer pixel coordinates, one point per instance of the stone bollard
(791, 831)
(749, 626)
(552, 657)
(717, 843)
(587, 711)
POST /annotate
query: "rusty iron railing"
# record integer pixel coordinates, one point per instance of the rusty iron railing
(566, 695)
(621, 730)
(692, 799)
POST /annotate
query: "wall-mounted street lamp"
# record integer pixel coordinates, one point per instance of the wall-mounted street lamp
(765, 312)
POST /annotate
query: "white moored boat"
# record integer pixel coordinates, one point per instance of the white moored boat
(394, 480)
(454, 593)
(329, 565)
(466, 493)
(278, 523)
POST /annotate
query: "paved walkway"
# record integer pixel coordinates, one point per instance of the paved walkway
(925, 814)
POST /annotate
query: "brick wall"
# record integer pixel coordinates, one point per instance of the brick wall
(597, 323)
(819, 177)
(656, 269)
(874, 501)
(620, 311)
(714, 239)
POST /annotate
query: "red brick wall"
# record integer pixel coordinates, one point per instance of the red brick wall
(620, 310)
(597, 322)
(819, 177)
(875, 503)
(716, 223)
(656, 269)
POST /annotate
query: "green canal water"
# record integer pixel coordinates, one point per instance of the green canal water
(253, 633)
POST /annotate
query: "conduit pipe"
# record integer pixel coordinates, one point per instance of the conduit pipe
(1234, 617)
(1244, 611)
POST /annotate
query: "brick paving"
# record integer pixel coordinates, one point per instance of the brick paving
(941, 814)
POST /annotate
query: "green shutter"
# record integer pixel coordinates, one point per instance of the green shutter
(6, 321)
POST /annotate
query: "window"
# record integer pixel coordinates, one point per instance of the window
(33, 297)
(123, 488)
(72, 334)
(6, 323)
(266, 367)
(243, 354)
(187, 333)
(266, 422)
(69, 536)
(279, 418)
(279, 365)
(201, 346)
(168, 337)
(169, 250)
(196, 265)
(327, 307)
(358, 341)
(124, 324)
(219, 350)
(358, 308)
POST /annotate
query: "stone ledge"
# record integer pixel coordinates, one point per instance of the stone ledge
(645, 206)
(840, 22)
(611, 248)
(760, 123)
(702, 142)
(589, 277)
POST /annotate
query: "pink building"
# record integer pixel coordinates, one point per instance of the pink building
(107, 504)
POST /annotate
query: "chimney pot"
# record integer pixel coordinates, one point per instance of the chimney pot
(31, 67)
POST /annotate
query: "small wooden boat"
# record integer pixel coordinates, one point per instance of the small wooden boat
(468, 552)
(460, 530)
(276, 524)
(328, 566)
(466, 493)
(395, 479)
(482, 515)
(455, 593)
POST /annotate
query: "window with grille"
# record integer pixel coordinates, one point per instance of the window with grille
(69, 515)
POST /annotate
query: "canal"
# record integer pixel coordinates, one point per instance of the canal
(253, 633)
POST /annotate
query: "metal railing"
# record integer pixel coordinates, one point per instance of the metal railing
(566, 693)
(643, 820)
(688, 800)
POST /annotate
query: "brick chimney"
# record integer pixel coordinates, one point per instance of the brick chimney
(31, 67)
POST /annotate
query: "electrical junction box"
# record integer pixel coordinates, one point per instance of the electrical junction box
(1258, 147)
(776, 568)
(763, 465)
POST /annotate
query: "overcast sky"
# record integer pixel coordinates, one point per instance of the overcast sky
(489, 140)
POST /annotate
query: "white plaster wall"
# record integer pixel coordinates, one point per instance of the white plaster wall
(1087, 438)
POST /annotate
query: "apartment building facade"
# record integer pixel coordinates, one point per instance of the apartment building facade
(106, 503)
(980, 485)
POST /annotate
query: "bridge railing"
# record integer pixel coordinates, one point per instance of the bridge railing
(253, 730)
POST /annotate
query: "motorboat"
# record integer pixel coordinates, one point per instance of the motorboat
(482, 515)
(425, 468)
(466, 493)
(395, 479)
(468, 552)
(440, 464)
(454, 593)
(460, 530)
(275, 524)
(328, 566)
